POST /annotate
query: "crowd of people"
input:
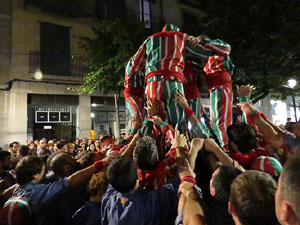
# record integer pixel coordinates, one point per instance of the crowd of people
(237, 167)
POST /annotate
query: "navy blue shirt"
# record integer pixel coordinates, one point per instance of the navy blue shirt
(44, 199)
(89, 214)
(139, 207)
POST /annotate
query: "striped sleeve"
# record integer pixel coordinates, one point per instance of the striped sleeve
(218, 46)
(137, 62)
(168, 130)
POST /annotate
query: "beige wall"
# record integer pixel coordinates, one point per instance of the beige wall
(26, 35)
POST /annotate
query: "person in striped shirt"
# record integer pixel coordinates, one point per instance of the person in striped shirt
(160, 60)
(218, 69)
(192, 96)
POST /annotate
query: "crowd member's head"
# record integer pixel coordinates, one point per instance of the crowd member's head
(295, 129)
(241, 137)
(123, 135)
(288, 192)
(88, 158)
(32, 150)
(106, 141)
(145, 154)
(42, 144)
(17, 211)
(51, 147)
(97, 186)
(83, 146)
(62, 146)
(36, 142)
(268, 165)
(92, 147)
(252, 199)
(29, 141)
(97, 144)
(84, 140)
(291, 126)
(30, 169)
(90, 141)
(13, 147)
(4, 160)
(122, 174)
(31, 146)
(63, 164)
(77, 142)
(170, 27)
(221, 181)
(22, 151)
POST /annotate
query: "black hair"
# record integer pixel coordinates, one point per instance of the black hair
(243, 135)
(145, 154)
(4, 154)
(28, 167)
(222, 182)
(23, 149)
(58, 162)
(122, 174)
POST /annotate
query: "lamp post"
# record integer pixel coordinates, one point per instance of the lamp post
(292, 83)
(92, 116)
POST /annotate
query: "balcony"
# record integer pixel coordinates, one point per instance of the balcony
(94, 8)
(77, 65)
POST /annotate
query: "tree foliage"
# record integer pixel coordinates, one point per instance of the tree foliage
(265, 40)
(114, 42)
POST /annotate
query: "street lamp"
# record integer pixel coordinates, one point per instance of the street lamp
(38, 74)
(292, 83)
(92, 116)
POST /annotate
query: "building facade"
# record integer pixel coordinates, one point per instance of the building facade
(41, 37)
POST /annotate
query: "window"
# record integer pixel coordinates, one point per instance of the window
(145, 13)
(55, 50)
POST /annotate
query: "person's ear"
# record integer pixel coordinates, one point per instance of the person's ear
(213, 192)
(286, 212)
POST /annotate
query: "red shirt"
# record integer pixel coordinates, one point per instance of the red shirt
(245, 160)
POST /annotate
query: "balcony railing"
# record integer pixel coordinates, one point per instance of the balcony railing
(93, 8)
(77, 65)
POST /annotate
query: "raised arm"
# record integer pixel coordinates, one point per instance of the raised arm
(269, 133)
(190, 204)
(83, 175)
(181, 100)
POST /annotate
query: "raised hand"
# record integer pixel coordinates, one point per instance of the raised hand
(210, 145)
(156, 120)
(244, 90)
(197, 143)
(181, 100)
(194, 42)
(179, 141)
(136, 123)
(152, 109)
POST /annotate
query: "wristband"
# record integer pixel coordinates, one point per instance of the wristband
(244, 99)
(133, 131)
(188, 112)
(98, 165)
(189, 179)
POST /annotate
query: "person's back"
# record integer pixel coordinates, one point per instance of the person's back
(124, 203)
